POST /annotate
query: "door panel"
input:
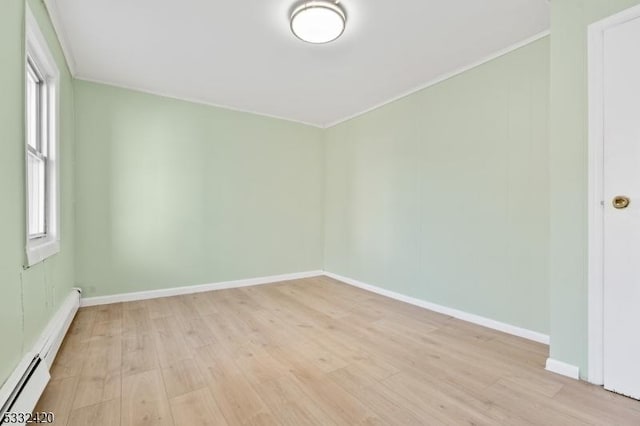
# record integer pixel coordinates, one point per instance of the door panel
(622, 226)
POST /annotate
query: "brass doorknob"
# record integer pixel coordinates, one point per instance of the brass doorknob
(620, 202)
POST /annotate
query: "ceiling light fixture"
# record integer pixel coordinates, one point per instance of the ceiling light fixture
(318, 21)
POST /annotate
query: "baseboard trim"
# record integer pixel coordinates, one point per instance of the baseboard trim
(562, 368)
(175, 291)
(465, 316)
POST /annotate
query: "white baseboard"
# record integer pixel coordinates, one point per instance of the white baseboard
(476, 319)
(563, 368)
(175, 291)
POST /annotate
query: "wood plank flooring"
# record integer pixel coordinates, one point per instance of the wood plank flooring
(307, 352)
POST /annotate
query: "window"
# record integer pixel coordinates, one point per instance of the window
(36, 152)
(41, 146)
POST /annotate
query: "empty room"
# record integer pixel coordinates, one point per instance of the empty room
(319, 212)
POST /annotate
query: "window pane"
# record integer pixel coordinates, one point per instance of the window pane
(43, 103)
(37, 194)
(32, 107)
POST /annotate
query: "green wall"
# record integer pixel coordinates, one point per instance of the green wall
(444, 195)
(29, 297)
(172, 193)
(568, 173)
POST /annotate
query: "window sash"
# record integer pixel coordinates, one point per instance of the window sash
(37, 193)
(37, 161)
(36, 108)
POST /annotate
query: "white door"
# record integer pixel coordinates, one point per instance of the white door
(622, 224)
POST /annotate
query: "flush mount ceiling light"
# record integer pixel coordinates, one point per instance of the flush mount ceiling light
(318, 21)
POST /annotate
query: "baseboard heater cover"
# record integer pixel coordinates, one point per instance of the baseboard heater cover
(25, 394)
(22, 390)
(53, 335)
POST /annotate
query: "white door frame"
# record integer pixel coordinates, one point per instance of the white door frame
(595, 373)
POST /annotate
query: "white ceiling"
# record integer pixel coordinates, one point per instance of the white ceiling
(242, 55)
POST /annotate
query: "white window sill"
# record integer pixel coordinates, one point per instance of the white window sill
(39, 251)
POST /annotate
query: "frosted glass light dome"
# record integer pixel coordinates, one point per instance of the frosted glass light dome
(318, 21)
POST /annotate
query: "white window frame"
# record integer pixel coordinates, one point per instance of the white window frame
(37, 51)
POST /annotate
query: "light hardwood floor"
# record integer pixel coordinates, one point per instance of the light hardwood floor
(313, 351)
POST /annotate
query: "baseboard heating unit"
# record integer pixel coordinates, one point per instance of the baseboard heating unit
(22, 390)
(25, 394)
